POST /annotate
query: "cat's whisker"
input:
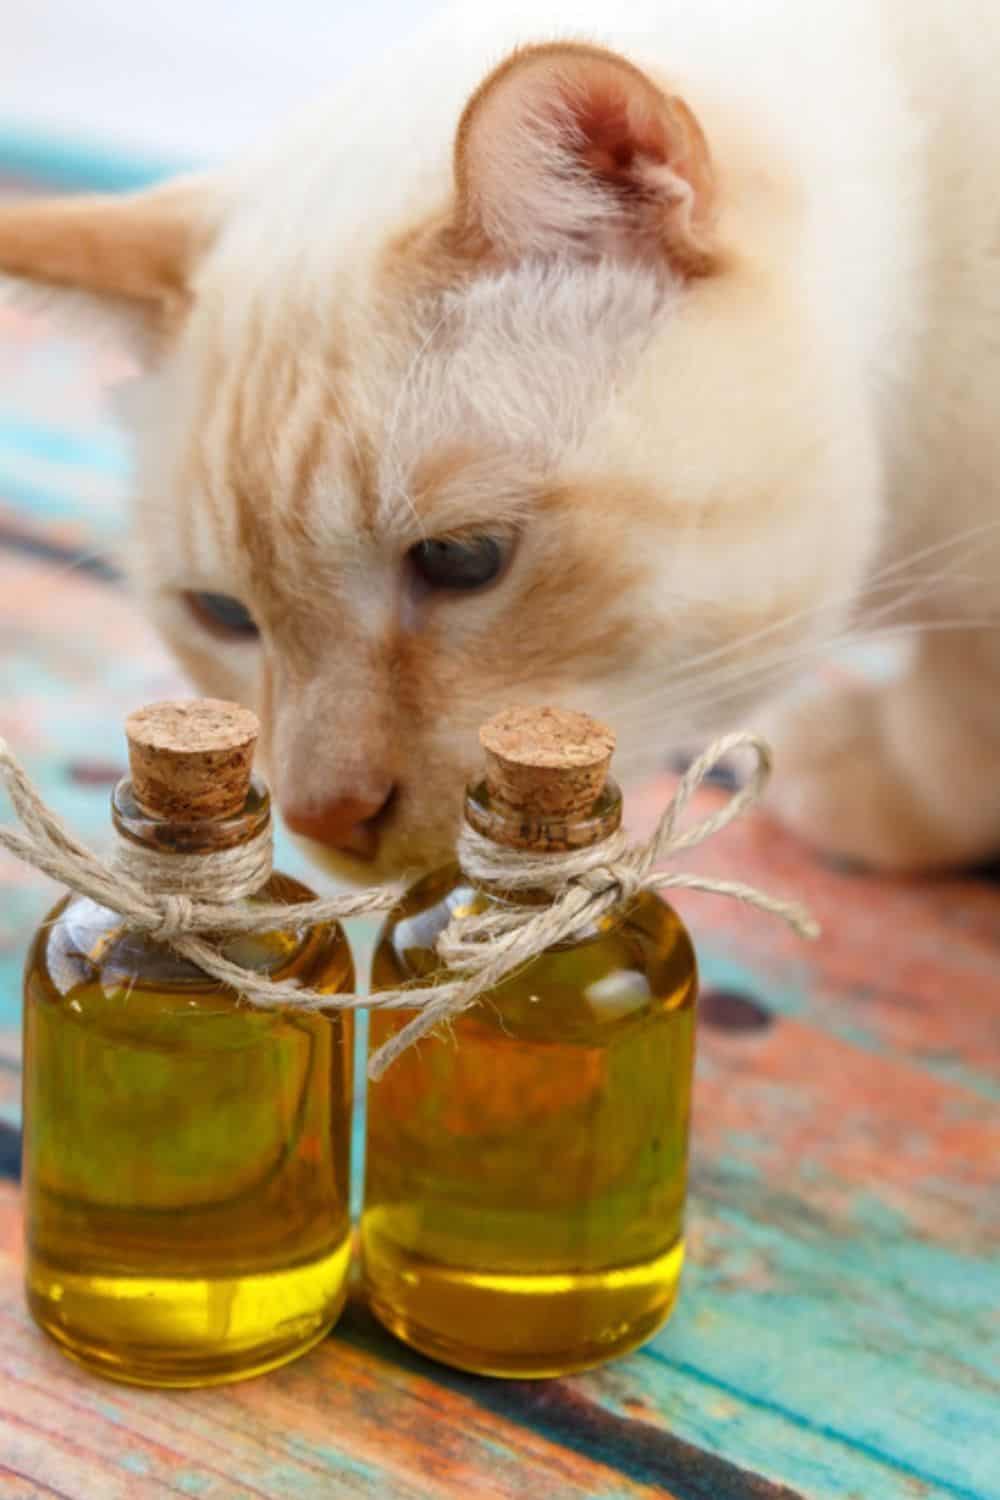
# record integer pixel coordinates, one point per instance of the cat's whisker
(737, 677)
(662, 708)
(738, 646)
(921, 586)
(868, 628)
(958, 538)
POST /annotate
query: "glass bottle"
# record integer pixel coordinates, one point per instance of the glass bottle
(185, 1155)
(526, 1167)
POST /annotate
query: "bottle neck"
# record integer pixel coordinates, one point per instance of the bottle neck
(209, 859)
(523, 831)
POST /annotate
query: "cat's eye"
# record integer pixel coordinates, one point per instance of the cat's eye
(460, 562)
(222, 615)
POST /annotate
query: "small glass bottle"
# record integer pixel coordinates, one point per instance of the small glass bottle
(526, 1169)
(185, 1155)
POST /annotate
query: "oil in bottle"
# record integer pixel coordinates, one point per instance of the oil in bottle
(526, 1171)
(185, 1155)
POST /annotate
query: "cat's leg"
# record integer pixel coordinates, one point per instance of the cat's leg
(903, 776)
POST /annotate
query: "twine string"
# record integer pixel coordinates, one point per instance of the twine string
(485, 947)
(181, 899)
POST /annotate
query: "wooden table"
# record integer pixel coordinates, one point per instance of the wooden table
(833, 1338)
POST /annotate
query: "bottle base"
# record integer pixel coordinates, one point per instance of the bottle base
(181, 1332)
(527, 1327)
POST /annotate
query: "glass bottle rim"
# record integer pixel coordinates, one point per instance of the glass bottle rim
(201, 836)
(541, 834)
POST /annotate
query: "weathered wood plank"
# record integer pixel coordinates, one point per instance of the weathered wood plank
(346, 1420)
(361, 1390)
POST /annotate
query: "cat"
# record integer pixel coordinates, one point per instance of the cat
(629, 366)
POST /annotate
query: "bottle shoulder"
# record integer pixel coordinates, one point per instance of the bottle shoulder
(82, 946)
(431, 902)
(638, 958)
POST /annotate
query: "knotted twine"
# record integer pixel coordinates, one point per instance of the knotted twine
(174, 898)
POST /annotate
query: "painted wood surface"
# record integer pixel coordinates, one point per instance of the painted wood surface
(836, 1331)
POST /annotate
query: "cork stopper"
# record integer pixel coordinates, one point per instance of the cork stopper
(192, 761)
(544, 763)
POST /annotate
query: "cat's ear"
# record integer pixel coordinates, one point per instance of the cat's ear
(569, 149)
(129, 257)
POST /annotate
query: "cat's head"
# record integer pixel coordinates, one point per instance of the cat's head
(548, 424)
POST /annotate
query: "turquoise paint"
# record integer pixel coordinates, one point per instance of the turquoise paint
(111, 1412)
(365, 1478)
(62, 446)
(135, 1463)
(359, 1113)
(951, 1070)
(792, 998)
(55, 161)
(877, 1217)
(871, 1342)
(727, 1423)
(40, 500)
(840, 1475)
(722, 971)
(11, 979)
(189, 1482)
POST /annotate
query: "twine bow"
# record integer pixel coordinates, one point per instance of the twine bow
(485, 947)
(477, 950)
(171, 916)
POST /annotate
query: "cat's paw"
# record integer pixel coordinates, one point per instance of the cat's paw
(836, 783)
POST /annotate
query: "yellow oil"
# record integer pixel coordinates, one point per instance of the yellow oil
(186, 1157)
(526, 1170)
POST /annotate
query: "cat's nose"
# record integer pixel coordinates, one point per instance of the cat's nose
(350, 824)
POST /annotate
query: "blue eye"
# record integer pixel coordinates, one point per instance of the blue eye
(222, 615)
(463, 563)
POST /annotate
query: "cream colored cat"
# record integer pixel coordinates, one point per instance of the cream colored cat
(628, 372)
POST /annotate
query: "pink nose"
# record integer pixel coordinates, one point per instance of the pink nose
(346, 823)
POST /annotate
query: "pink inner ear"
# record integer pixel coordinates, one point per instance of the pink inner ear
(571, 150)
(613, 135)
